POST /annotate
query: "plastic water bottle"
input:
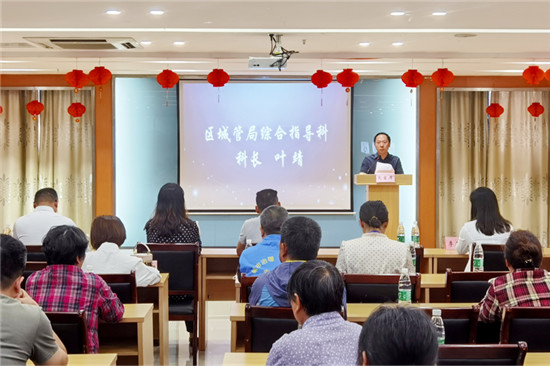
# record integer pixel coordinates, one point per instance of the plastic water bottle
(415, 235)
(404, 287)
(478, 258)
(437, 321)
(401, 232)
(413, 254)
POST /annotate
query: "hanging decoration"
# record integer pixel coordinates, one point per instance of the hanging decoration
(35, 108)
(533, 75)
(77, 79)
(547, 74)
(167, 79)
(1, 109)
(412, 78)
(100, 75)
(321, 79)
(218, 78)
(76, 110)
(347, 78)
(443, 77)
(494, 110)
(536, 109)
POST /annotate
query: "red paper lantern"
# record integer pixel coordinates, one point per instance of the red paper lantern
(167, 79)
(533, 75)
(1, 109)
(443, 77)
(494, 110)
(547, 74)
(100, 75)
(218, 78)
(77, 79)
(347, 78)
(321, 79)
(76, 110)
(412, 78)
(536, 109)
(35, 108)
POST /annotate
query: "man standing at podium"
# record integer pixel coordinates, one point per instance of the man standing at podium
(382, 142)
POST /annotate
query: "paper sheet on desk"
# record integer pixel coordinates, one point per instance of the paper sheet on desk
(384, 168)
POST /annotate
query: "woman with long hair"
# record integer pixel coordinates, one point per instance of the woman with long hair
(170, 222)
(487, 225)
(526, 285)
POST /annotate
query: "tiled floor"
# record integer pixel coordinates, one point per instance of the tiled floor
(217, 342)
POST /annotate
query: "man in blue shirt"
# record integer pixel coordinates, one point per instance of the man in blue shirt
(264, 257)
(382, 142)
(300, 241)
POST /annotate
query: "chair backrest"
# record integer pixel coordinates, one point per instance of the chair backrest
(35, 253)
(493, 258)
(246, 285)
(264, 325)
(419, 258)
(460, 324)
(377, 288)
(71, 328)
(31, 267)
(182, 262)
(482, 354)
(527, 324)
(467, 286)
(123, 285)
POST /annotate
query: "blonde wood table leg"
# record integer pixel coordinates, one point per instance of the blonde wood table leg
(233, 336)
(430, 265)
(145, 340)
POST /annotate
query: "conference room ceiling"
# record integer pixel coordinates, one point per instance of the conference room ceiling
(474, 38)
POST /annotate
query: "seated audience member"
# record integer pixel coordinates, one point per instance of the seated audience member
(487, 225)
(398, 336)
(25, 331)
(63, 286)
(526, 285)
(171, 223)
(32, 228)
(374, 252)
(251, 227)
(300, 241)
(315, 291)
(264, 256)
(107, 235)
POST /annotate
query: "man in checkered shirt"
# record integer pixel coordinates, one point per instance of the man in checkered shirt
(63, 286)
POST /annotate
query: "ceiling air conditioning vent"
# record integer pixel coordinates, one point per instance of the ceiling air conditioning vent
(111, 43)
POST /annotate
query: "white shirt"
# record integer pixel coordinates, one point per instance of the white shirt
(374, 253)
(32, 228)
(108, 258)
(469, 235)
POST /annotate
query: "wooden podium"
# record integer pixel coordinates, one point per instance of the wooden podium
(387, 193)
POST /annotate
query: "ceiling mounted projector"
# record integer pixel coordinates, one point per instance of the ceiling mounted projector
(278, 56)
(266, 63)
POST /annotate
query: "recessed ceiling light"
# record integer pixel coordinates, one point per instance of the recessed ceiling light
(156, 12)
(364, 44)
(179, 43)
(439, 13)
(145, 43)
(397, 13)
(112, 12)
(397, 44)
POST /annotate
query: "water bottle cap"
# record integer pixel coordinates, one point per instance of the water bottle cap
(405, 270)
(436, 312)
